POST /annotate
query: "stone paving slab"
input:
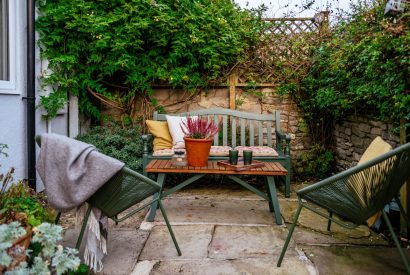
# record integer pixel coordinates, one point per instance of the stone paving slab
(216, 192)
(124, 247)
(310, 237)
(221, 267)
(309, 219)
(236, 242)
(182, 211)
(193, 241)
(356, 260)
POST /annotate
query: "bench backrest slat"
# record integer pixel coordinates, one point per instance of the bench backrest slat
(243, 137)
(249, 136)
(233, 132)
(251, 133)
(269, 133)
(216, 137)
(260, 133)
(224, 130)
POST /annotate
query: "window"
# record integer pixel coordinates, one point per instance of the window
(8, 46)
(4, 41)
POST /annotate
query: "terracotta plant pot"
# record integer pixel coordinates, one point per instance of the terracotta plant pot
(197, 151)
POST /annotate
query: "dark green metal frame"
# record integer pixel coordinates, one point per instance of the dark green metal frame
(271, 195)
(157, 200)
(381, 179)
(348, 226)
(104, 195)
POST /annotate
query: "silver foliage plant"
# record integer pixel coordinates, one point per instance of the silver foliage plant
(52, 259)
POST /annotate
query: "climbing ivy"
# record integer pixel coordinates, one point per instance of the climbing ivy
(102, 47)
(363, 67)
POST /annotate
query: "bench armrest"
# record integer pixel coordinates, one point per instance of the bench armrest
(283, 142)
(146, 139)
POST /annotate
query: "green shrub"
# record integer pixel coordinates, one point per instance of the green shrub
(19, 202)
(123, 144)
(315, 163)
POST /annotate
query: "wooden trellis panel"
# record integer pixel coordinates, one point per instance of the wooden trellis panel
(287, 40)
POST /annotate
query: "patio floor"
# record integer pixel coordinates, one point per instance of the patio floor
(228, 230)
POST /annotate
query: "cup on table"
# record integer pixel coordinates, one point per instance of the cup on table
(233, 157)
(247, 157)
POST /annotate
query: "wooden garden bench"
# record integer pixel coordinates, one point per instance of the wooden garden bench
(239, 129)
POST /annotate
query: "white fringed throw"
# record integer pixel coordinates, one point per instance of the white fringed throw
(96, 246)
(72, 171)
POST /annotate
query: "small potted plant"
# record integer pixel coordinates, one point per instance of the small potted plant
(199, 133)
(44, 256)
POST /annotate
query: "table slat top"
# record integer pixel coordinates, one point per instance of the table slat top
(165, 166)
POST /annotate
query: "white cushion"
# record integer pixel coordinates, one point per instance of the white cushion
(220, 151)
(174, 126)
(260, 151)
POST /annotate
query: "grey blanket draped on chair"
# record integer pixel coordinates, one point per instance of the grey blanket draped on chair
(72, 171)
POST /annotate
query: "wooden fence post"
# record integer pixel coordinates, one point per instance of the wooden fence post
(233, 80)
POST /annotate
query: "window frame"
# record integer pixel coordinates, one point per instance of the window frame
(9, 86)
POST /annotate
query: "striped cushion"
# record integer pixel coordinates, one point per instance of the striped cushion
(258, 151)
(163, 153)
(220, 151)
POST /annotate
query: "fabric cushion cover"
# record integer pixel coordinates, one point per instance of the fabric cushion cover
(258, 151)
(376, 148)
(174, 126)
(162, 137)
(163, 152)
(220, 151)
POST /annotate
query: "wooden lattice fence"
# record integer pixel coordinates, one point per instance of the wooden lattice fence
(285, 46)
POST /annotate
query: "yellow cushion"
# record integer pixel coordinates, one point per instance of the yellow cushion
(162, 137)
(376, 148)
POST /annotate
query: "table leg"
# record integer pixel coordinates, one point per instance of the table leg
(154, 205)
(269, 196)
(274, 198)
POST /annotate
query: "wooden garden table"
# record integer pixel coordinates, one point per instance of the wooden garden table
(269, 171)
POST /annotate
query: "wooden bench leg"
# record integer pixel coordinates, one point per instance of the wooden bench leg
(274, 199)
(154, 205)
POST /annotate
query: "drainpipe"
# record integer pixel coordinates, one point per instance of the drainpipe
(30, 111)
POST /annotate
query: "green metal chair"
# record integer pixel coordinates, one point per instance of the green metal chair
(358, 193)
(122, 191)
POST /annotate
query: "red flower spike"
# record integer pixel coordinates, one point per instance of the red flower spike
(200, 127)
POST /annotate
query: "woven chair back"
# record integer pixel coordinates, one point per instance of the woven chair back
(122, 191)
(360, 192)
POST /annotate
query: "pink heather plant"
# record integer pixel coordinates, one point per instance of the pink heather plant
(199, 128)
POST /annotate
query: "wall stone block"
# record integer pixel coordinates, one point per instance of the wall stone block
(354, 134)
(356, 131)
(364, 127)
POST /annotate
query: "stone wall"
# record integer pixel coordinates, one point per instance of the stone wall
(176, 101)
(354, 134)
